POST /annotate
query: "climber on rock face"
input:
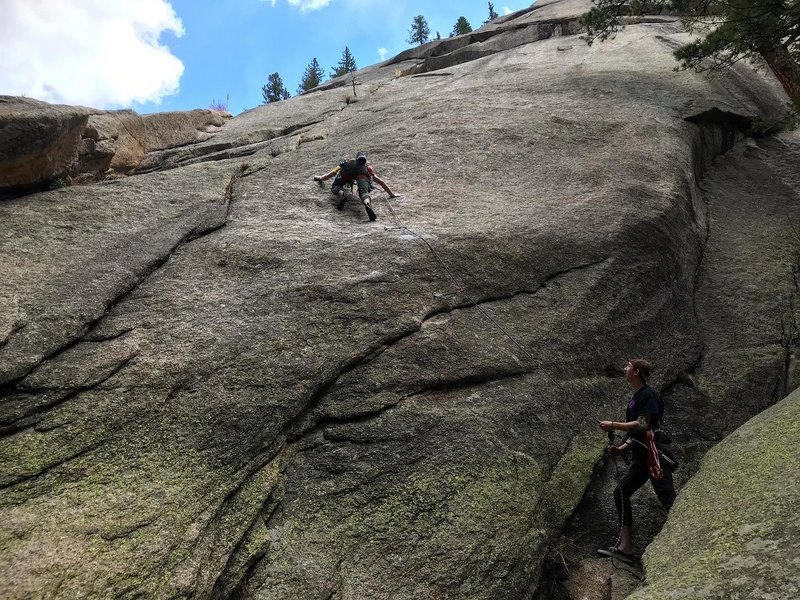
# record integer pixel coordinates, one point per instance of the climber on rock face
(652, 458)
(361, 173)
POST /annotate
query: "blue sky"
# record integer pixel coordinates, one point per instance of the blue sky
(160, 55)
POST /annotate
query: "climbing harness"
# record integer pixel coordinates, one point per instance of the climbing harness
(661, 454)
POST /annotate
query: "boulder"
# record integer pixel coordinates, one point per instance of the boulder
(38, 141)
(131, 136)
(734, 530)
(41, 143)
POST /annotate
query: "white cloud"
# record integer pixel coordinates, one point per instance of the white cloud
(507, 11)
(98, 53)
(305, 5)
(382, 52)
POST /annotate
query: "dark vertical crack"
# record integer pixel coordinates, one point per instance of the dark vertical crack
(235, 574)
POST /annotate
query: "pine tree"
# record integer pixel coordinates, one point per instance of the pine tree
(492, 15)
(734, 30)
(461, 27)
(312, 76)
(346, 65)
(274, 91)
(420, 32)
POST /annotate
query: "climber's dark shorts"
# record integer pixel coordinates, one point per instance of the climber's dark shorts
(361, 184)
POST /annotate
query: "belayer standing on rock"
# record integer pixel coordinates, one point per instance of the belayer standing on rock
(653, 459)
(361, 173)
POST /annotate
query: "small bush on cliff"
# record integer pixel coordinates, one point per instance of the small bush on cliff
(60, 182)
(219, 105)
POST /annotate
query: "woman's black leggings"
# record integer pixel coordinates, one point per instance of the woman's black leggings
(636, 477)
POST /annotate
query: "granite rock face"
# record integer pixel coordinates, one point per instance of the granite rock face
(749, 343)
(216, 385)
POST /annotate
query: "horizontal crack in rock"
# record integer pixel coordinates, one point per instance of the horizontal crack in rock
(157, 161)
(8, 482)
(491, 299)
(26, 420)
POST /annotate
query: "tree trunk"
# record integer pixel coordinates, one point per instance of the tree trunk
(785, 68)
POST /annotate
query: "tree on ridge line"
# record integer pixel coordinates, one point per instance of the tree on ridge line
(346, 65)
(420, 32)
(461, 27)
(274, 91)
(312, 76)
(492, 15)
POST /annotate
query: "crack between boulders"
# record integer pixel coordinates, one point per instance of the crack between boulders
(549, 534)
(790, 333)
(16, 426)
(48, 468)
(713, 117)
